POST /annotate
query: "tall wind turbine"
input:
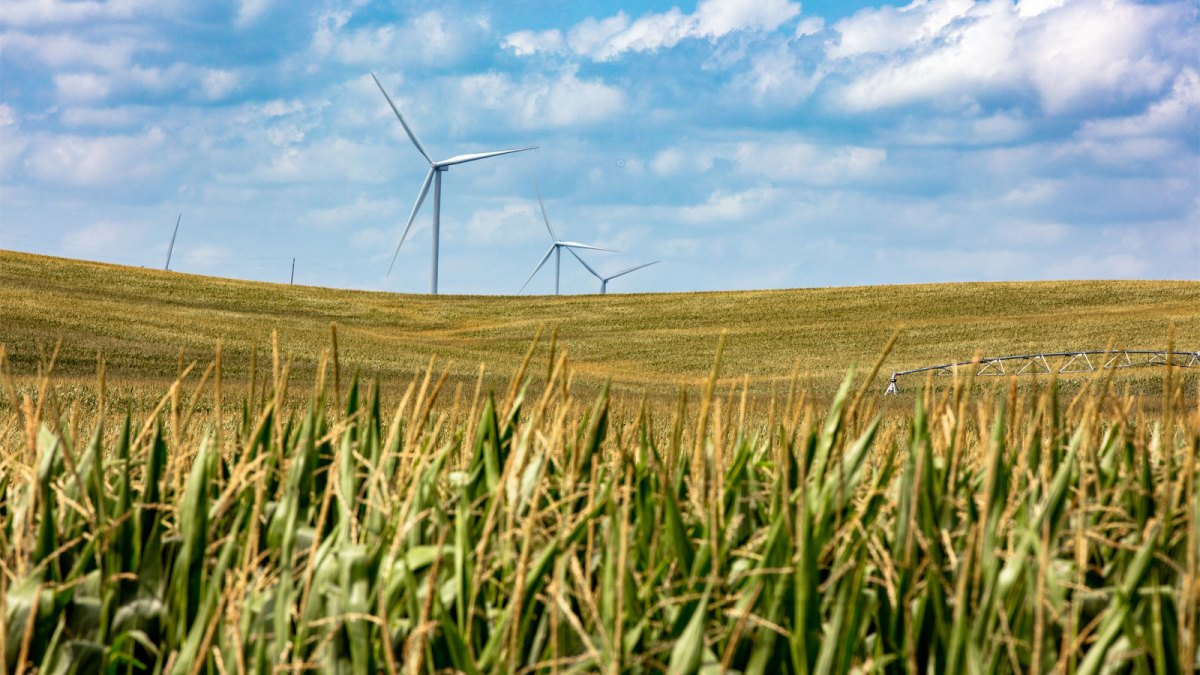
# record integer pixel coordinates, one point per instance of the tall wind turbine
(171, 247)
(436, 169)
(605, 279)
(556, 248)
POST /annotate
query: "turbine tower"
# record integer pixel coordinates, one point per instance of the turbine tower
(436, 169)
(605, 279)
(556, 248)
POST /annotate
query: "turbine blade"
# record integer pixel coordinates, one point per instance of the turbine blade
(413, 137)
(412, 216)
(462, 159)
(584, 263)
(553, 236)
(539, 266)
(631, 269)
(575, 244)
(171, 246)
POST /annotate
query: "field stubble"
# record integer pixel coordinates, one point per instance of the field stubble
(141, 320)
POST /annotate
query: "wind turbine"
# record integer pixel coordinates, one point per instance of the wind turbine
(436, 169)
(605, 279)
(556, 248)
(171, 247)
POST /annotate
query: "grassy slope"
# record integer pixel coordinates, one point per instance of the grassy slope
(141, 318)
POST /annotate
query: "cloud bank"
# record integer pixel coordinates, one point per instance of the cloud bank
(748, 144)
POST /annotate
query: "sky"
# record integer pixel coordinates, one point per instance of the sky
(747, 144)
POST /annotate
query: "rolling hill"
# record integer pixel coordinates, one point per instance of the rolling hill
(144, 320)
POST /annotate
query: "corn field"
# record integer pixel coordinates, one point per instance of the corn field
(530, 532)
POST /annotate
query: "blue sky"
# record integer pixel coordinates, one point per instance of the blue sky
(746, 143)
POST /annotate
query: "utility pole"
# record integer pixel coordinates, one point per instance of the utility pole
(292, 280)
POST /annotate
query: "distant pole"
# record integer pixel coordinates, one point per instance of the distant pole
(171, 247)
(292, 280)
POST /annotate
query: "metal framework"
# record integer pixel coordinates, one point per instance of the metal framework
(1058, 362)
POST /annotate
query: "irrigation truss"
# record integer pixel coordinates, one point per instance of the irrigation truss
(1057, 362)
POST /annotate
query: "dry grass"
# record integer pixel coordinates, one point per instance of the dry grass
(142, 319)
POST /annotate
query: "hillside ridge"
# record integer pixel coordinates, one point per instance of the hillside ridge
(140, 319)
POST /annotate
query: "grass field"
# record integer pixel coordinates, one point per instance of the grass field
(141, 319)
(775, 523)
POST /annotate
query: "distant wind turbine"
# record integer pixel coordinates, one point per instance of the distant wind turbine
(556, 248)
(436, 169)
(171, 247)
(605, 279)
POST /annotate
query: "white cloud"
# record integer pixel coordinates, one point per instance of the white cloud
(527, 42)
(102, 160)
(82, 86)
(43, 12)
(729, 206)
(1033, 193)
(810, 26)
(1035, 233)
(1077, 53)
(1122, 152)
(363, 209)
(952, 53)
(249, 10)
(12, 141)
(1099, 266)
(102, 235)
(974, 56)
(808, 163)
(780, 158)
(333, 159)
(511, 221)
(960, 130)
(777, 75)
(204, 257)
(1176, 113)
(667, 162)
(120, 116)
(539, 102)
(431, 38)
(204, 84)
(216, 84)
(63, 50)
(606, 39)
(888, 29)
(720, 17)
(1035, 7)
(280, 108)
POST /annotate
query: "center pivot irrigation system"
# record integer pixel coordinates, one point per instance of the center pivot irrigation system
(1057, 362)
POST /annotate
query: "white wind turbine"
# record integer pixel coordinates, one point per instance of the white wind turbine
(605, 279)
(436, 169)
(556, 248)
